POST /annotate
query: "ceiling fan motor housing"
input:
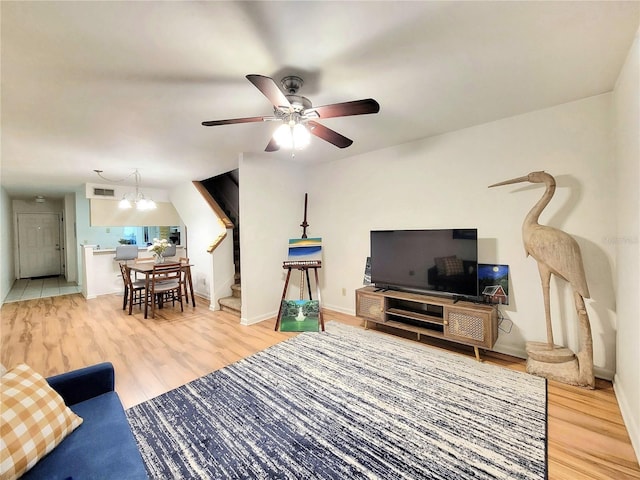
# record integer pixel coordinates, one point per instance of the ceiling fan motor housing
(299, 102)
(291, 84)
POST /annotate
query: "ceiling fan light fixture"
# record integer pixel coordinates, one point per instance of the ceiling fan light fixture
(293, 136)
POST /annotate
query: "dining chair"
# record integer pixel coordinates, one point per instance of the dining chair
(142, 260)
(165, 284)
(134, 293)
(185, 290)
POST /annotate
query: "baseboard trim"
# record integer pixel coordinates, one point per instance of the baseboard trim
(633, 428)
(511, 351)
(261, 318)
(346, 311)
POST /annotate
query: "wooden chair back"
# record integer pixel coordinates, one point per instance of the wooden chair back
(185, 273)
(133, 292)
(125, 275)
(164, 271)
(144, 259)
(165, 283)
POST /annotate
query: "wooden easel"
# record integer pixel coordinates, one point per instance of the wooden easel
(304, 266)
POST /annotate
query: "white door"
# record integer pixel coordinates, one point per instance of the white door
(39, 244)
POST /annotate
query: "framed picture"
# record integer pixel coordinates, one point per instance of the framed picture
(493, 283)
(300, 316)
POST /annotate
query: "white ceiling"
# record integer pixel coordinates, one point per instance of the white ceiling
(123, 85)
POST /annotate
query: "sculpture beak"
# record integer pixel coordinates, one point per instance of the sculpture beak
(513, 180)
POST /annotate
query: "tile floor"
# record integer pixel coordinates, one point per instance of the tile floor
(28, 289)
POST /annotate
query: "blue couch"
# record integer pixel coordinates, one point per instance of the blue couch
(102, 447)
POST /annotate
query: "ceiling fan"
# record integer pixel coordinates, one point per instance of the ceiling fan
(298, 116)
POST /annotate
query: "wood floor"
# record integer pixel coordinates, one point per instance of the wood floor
(587, 438)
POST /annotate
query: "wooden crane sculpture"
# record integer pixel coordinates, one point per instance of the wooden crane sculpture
(556, 253)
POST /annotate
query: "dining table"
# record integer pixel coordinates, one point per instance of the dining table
(146, 268)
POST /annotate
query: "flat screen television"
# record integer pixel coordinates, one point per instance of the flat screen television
(442, 261)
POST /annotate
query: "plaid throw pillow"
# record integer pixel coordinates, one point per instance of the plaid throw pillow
(440, 264)
(453, 266)
(449, 266)
(33, 421)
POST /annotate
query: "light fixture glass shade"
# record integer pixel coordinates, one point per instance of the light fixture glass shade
(124, 204)
(140, 202)
(144, 204)
(294, 136)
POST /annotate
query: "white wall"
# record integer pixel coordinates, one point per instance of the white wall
(627, 122)
(202, 227)
(271, 210)
(7, 267)
(84, 232)
(70, 240)
(442, 182)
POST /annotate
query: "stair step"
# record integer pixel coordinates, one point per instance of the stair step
(231, 304)
(236, 290)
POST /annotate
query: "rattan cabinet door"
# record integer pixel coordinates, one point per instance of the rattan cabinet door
(370, 306)
(467, 326)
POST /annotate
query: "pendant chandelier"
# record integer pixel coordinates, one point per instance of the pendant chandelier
(131, 199)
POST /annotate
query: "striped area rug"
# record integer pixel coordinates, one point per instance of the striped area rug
(347, 404)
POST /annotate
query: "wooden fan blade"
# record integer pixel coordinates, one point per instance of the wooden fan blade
(356, 107)
(272, 146)
(329, 135)
(270, 90)
(230, 121)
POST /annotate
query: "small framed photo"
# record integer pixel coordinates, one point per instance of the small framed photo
(367, 272)
(493, 283)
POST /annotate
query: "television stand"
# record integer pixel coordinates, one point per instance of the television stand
(449, 319)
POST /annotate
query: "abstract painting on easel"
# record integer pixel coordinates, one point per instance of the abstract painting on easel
(305, 249)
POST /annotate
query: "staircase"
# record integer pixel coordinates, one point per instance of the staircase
(225, 191)
(233, 303)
